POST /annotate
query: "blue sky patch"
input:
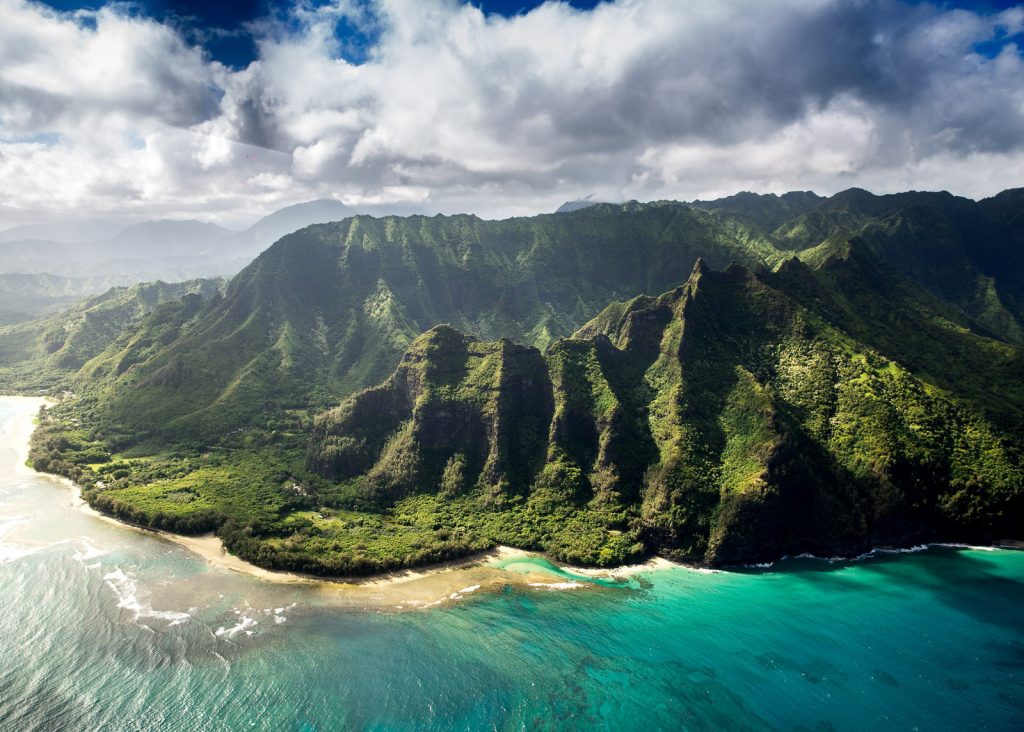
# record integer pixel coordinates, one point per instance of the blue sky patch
(223, 29)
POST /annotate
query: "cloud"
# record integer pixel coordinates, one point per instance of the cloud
(458, 110)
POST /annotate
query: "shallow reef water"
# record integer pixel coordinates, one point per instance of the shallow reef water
(102, 627)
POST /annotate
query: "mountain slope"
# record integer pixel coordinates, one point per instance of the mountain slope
(330, 309)
(832, 393)
(721, 422)
(24, 297)
(967, 254)
(43, 353)
(766, 212)
(246, 245)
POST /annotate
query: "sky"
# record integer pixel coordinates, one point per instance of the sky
(226, 111)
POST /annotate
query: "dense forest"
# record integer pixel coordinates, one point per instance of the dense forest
(819, 374)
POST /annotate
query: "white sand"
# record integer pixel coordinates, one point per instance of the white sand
(16, 432)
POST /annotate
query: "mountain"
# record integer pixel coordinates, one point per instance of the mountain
(64, 232)
(24, 297)
(160, 250)
(841, 376)
(241, 248)
(330, 309)
(40, 354)
(764, 211)
(170, 250)
(269, 229)
(720, 423)
(577, 205)
(169, 238)
(968, 254)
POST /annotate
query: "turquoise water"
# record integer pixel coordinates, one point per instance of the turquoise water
(105, 628)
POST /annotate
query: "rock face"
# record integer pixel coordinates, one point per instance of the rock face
(731, 422)
(859, 380)
(456, 413)
(329, 310)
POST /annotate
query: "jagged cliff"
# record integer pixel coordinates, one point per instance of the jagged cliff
(861, 382)
(725, 420)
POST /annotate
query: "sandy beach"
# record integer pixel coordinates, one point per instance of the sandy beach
(410, 589)
(15, 433)
(625, 571)
(421, 587)
(405, 589)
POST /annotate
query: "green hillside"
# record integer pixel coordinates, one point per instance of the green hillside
(52, 351)
(720, 422)
(854, 378)
(330, 309)
(26, 297)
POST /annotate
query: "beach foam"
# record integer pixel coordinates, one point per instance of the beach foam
(87, 550)
(11, 553)
(126, 589)
(245, 625)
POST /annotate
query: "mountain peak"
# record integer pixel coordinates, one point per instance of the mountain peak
(578, 205)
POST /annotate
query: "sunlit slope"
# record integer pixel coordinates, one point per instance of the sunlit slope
(722, 422)
(330, 309)
(52, 350)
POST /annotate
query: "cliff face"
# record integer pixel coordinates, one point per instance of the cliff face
(862, 383)
(727, 421)
(329, 310)
(456, 413)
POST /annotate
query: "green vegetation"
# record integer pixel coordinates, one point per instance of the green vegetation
(710, 424)
(858, 380)
(54, 351)
(26, 297)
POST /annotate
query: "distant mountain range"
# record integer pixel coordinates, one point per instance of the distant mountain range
(166, 250)
(27, 296)
(816, 374)
(64, 232)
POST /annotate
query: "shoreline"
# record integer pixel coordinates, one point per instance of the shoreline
(18, 431)
(409, 589)
(210, 548)
(472, 572)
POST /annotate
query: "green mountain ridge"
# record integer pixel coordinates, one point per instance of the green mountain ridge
(330, 309)
(854, 379)
(54, 350)
(726, 422)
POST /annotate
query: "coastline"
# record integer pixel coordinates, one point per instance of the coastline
(17, 431)
(417, 587)
(209, 547)
(410, 589)
(424, 586)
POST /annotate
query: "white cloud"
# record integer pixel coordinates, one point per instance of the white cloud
(461, 111)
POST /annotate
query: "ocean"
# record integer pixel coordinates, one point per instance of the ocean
(106, 628)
